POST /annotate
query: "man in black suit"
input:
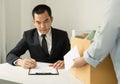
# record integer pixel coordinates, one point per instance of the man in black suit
(57, 42)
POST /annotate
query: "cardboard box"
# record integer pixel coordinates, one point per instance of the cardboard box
(102, 74)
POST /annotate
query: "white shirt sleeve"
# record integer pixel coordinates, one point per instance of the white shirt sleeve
(104, 43)
(16, 61)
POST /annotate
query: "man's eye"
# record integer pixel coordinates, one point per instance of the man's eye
(46, 21)
(38, 22)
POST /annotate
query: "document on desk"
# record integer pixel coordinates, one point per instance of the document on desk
(43, 69)
(68, 58)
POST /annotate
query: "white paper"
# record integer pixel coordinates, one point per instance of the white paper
(43, 68)
(68, 58)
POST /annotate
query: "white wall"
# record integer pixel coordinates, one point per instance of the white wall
(12, 22)
(77, 14)
(68, 15)
(0, 31)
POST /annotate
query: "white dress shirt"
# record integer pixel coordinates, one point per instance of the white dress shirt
(48, 39)
(108, 41)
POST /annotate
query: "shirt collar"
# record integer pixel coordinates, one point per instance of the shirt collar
(47, 35)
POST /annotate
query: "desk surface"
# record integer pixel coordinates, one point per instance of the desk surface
(20, 75)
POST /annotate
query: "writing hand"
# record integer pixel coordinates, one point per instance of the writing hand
(27, 63)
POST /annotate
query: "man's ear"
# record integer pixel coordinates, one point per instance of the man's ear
(33, 21)
(51, 18)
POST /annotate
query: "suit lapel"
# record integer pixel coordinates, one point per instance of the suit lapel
(54, 41)
(36, 39)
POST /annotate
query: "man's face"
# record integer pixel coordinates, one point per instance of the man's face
(42, 22)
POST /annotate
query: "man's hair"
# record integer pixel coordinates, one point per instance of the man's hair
(39, 9)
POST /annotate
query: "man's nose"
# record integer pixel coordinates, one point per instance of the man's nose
(42, 25)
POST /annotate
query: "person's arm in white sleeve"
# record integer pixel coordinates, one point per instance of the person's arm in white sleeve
(104, 43)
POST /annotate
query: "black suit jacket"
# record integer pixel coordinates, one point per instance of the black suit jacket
(30, 42)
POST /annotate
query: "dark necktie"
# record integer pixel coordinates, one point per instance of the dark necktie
(44, 44)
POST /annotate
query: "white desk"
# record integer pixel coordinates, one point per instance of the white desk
(20, 75)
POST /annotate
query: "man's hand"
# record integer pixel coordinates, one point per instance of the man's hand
(58, 65)
(79, 62)
(26, 63)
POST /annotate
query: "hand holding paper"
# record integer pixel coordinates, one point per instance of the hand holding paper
(79, 62)
(68, 58)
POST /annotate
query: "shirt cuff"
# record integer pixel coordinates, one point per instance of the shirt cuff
(90, 60)
(16, 61)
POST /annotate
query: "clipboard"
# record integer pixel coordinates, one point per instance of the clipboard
(43, 69)
(43, 73)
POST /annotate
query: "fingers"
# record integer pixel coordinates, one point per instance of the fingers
(75, 59)
(28, 63)
(34, 63)
(79, 62)
(58, 65)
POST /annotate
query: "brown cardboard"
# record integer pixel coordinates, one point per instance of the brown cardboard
(102, 74)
